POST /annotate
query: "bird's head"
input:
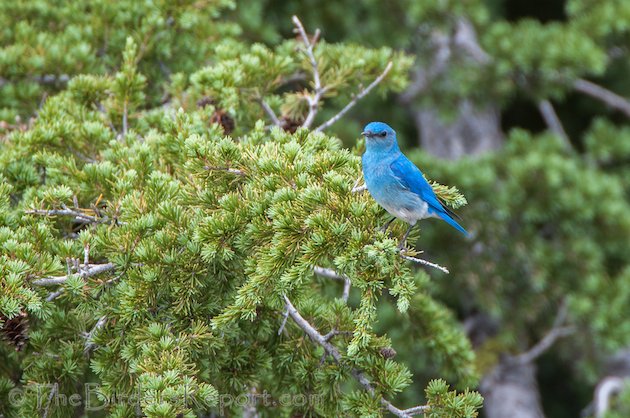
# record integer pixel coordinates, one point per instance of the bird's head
(379, 135)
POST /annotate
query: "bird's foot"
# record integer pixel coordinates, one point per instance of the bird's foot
(385, 227)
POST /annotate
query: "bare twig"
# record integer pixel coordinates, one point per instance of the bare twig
(89, 343)
(102, 110)
(558, 330)
(53, 391)
(356, 98)
(54, 295)
(346, 290)
(313, 100)
(553, 121)
(604, 95)
(425, 262)
(84, 271)
(124, 119)
(284, 321)
(356, 188)
(46, 79)
(269, 111)
(605, 389)
(315, 336)
(328, 273)
(335, 332)
(79, 216)
(416, 410)
(86, 254)
(332, 274)
(227, 169)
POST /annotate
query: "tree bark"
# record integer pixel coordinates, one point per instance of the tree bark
(475, 130)
(511, 390)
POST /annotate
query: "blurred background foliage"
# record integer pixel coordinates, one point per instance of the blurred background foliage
(520, 104)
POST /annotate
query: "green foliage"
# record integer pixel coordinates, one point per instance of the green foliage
(205, 234)
(283, 77)
(554, 229)
(44, 43)
(540, 59)
(445, 403)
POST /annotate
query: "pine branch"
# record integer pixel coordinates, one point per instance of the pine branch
(356, 98)
(313, 100)
(604, 95)
(315, 336)
(84, 272)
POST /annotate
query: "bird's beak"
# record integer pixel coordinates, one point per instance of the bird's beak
(366, 133)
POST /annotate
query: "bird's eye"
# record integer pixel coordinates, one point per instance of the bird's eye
(383, 134)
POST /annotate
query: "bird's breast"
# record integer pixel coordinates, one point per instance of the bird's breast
(388, 192)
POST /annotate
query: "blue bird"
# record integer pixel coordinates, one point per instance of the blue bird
(396, 183)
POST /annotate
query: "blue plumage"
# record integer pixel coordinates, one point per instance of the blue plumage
(396, 183)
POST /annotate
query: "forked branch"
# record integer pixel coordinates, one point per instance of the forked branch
(331, 350)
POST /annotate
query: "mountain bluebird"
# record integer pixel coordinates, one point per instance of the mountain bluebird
(396, 183)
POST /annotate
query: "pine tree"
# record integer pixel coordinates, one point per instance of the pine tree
(545, 279)
(183, 269)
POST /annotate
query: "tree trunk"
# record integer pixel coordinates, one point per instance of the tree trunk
(475, 130)
(511, 390)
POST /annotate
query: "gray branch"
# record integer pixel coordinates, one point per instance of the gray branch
(313, 100)
(53, 392)
(84, 272)
(78, 216)
(604, 95)
(89, 337)
(604, 391)
(332, 274)
(226, 169)
(356, 98)
(558, 330)
(553, 121)
(315, 336)
(269, 111)
(425, 263)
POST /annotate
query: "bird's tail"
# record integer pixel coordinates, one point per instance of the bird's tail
(452, 222)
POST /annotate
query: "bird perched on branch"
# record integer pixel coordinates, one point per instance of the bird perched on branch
(396, 183)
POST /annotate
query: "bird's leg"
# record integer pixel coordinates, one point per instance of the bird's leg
(401, 246)
(384, 227)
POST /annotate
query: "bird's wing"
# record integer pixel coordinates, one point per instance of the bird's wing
(411, 178)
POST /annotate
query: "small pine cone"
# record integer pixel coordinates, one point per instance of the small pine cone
(388, 352)
(226, 121)
(205, 101)
(290, 125)
(15, 330)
